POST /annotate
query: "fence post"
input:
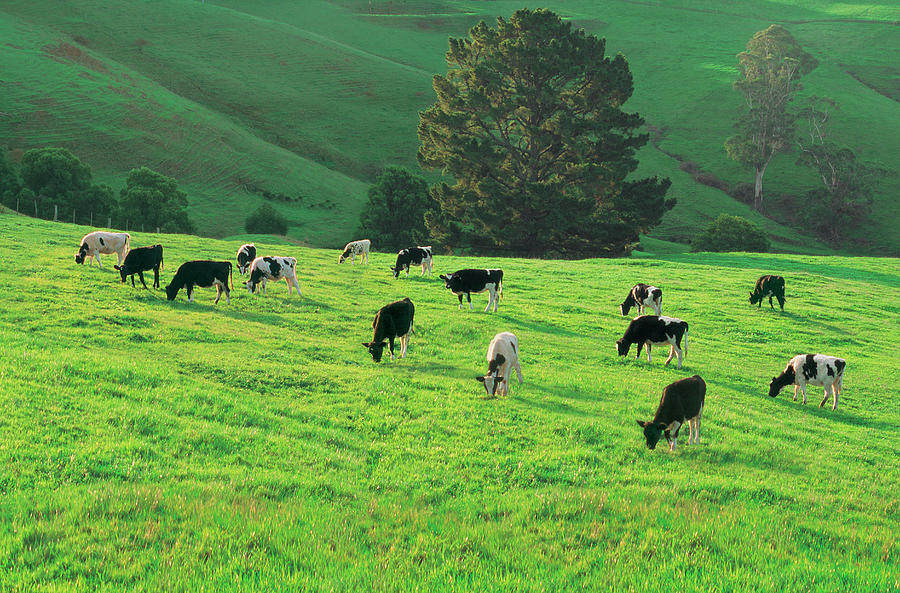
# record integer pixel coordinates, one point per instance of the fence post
(92, 218)
(157, 230)
(73, 215)
(55, 212)
(35, 208)
(17, 204)
(109, 222)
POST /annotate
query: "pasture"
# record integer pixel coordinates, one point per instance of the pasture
(148, 445)
(314, 98)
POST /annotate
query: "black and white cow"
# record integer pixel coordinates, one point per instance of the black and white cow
(273, 268)
(653, 330)
(93, 244)
(768, 286)
(640, 296)
(245, 256)
(201, 273)
(812, 369)
(140, 260)
(391, 321)
(465, 282)
(502, 357)
(414, 256)
(682, 402)
(354, 248)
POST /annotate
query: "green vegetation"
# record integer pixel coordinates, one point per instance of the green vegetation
(157, 446)
(316, 97)
(530, 132)
(394, 214)
(266, 220)
(154, 200)
(730, 233)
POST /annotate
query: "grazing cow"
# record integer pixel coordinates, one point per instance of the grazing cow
(465, 282)
(140, 260)
(391, 321)
(201, 273)
(654, 330)
(245, 256)
(93, 244)
(273, 268)
(681, 402)
(413, 256)
(812, 369)
(640, 296)
(768, 286)
(502, 357)
(354, 248)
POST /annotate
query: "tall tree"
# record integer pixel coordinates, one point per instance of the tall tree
(59, 178)
(395, 212)
(529, 125)
(154, 200)
(769, 71)
(846, 195)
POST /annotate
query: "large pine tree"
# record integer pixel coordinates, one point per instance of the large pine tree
(529, 127)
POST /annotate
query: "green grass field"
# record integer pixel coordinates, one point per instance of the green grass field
(313, 98)
(148, 445)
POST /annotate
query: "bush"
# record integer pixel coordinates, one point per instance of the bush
(730, 233)
(266, 220)
(395, 212)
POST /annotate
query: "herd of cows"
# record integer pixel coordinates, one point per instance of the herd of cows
(681, 403)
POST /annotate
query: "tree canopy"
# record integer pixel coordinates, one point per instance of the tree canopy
(730, 233)
(529, 125)
(395, 211)
(266, 220)
(769, 71)
(59, 178)
(154, 200)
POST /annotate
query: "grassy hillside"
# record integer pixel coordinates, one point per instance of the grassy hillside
(148, 445)
(313, 98)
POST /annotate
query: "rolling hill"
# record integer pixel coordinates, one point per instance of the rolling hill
(148, 445)
(313, 98)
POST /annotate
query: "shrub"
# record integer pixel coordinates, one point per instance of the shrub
(395, 211)
(266, 220)
(730, 233)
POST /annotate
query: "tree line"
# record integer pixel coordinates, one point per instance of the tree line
(52, 183)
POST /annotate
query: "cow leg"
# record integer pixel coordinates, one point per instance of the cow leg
(404, 342)
(496, 300)
(828, 391)
(297, 286)
(218, 293)
(469, 298)
(519, 372)
(227, 293)
(795, 392)
(263, 285)
(460, 301)
(190, 293)
(156, 277)
(671, 354)
(781, 302)
(391, 340)
(132, 281)
(490, 301)
(99, 263)
(141, 276)
(803, 391)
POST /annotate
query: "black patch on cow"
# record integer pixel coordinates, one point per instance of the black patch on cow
(495, 364)
(809, 367)
(829, 370)
(839, 364)
(101, 241)
(274, 266)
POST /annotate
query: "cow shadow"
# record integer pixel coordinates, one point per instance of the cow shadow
(537, 327)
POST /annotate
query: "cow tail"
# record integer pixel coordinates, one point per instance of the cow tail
(127, 243)
(230, 275)
(500, 289)
(685, 341)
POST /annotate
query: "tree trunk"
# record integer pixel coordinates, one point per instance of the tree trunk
(757, 190)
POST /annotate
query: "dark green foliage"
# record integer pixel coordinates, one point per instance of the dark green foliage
(769, 70)
(61, 182)
(394, 216)
(152, 200)
(731, 233)
(10, 185)
(266, 220)
(528, 123)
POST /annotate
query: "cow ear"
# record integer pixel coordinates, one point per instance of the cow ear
(367, 344)
(117, 267)
(641, 423)
(751, 293)
(479, 379)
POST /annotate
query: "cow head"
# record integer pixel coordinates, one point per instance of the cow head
(82, 253)
(376, 349)
(755, 298)
(622, 347)
(490, 382)
(122, 271)
(625, 308)
(344, 256)
(774, 387)
(171, 291)
(251, 285)
(653, 432)
(449, 281)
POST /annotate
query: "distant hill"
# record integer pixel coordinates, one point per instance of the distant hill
(239, 98)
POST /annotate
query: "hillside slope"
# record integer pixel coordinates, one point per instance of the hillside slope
(254, 446)
(314, 98)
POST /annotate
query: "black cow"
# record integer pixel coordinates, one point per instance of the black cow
(245, 256)
(681, 402)
(391, 321)
(640, 296)
(201, 273)
(653, 330)
(140, 260)
(768, 286)
(414, 256)
(465, 282)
